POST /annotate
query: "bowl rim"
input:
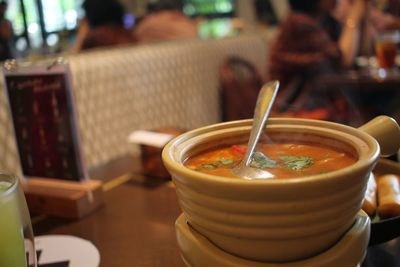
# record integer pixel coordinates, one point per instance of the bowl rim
(367, 160)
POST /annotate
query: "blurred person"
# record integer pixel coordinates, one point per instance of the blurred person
(105, 25)
(265, 12)
(6, 33)
(379, 20)
(265, 16)
(311, 43)
(165, 21)
(81, 33)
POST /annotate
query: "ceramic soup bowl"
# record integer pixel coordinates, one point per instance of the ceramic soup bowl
(278, 220)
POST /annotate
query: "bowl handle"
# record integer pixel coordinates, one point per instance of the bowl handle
(386, 131)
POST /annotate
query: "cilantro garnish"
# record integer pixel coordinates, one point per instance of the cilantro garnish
(260, 161)
(297, 163)
(226, 162)
(212, 165)
(216, 164)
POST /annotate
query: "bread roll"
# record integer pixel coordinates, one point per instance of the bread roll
(369, 204)
(388, 195)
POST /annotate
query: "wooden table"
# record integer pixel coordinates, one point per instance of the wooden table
(136, 226)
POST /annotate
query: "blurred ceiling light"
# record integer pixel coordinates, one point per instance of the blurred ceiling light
(223, 7)
(21, 44)
(33, 28)
(189, 10)
(52, 39)
(71, 17)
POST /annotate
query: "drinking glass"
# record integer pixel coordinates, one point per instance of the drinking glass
(16, 237)
(386, 49)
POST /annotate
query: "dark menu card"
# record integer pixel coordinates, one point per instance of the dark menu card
(44, 121)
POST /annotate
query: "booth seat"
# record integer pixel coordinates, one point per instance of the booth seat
(120, 90)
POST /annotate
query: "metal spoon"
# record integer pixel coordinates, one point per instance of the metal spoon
(265, 100)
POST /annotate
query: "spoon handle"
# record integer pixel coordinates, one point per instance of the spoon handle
(266, 98)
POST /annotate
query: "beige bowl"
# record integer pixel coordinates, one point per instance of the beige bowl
(277, 220)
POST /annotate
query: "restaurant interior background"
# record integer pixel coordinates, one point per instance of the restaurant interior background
(165, 87)
(47, 29)
(43, 27)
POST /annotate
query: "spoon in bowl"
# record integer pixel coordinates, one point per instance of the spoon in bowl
(265, 100)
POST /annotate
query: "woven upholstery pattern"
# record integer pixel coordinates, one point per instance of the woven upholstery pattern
(120, 90)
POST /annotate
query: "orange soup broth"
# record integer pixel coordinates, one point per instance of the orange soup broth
(325, 159)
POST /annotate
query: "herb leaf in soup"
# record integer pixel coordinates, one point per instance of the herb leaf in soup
(212, 166)
(222, 162)
(297, 163)
(226, 162)
(260, 161)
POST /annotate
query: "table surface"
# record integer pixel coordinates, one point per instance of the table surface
(135, 227)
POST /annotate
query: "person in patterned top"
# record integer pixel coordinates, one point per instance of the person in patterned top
(311, 43)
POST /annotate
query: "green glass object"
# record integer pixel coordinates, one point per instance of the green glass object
(15, 227)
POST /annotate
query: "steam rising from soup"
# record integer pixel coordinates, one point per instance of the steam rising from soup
(283, 160)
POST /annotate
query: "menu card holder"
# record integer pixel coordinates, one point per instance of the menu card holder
(43, 113)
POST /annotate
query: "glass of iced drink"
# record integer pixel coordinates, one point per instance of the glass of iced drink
(16, 236)
(386, 49)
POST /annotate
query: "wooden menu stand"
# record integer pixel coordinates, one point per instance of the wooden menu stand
(66, 199)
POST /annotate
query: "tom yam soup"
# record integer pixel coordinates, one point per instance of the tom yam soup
(283, 160)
